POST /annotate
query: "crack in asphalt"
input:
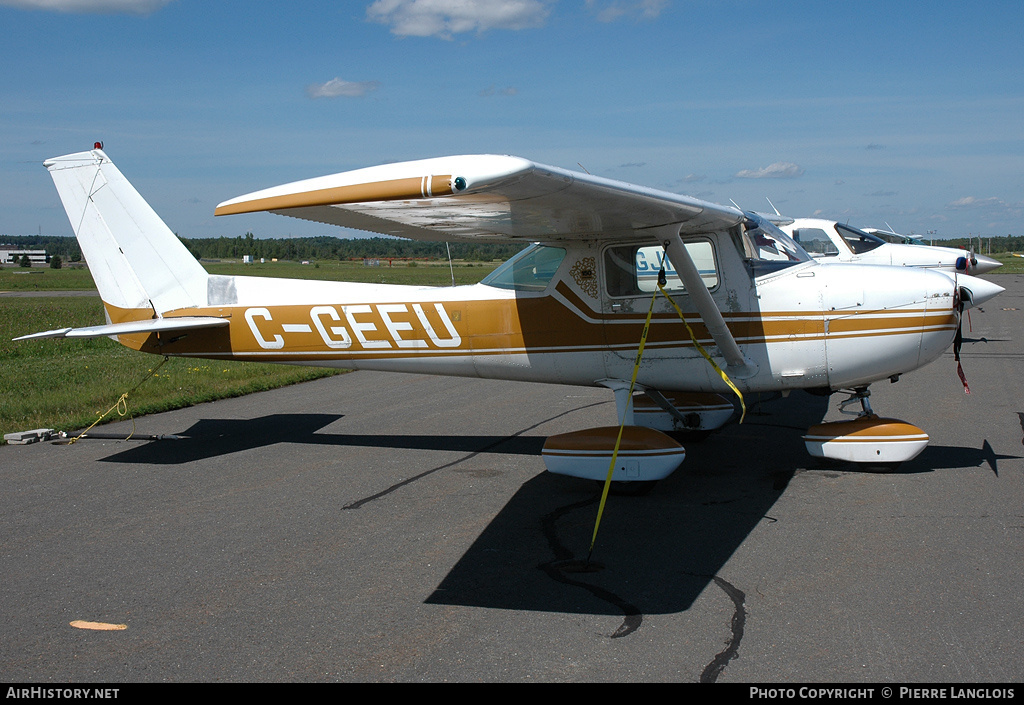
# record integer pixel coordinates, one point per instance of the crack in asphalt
(564, 562)
(714, 669)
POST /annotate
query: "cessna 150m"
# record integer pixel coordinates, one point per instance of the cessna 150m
(572, 308)
(831, 241)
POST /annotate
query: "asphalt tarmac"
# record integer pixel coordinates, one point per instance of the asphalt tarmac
(382, 527)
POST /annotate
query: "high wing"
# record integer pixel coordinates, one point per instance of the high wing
(488, 197)
(507, 199)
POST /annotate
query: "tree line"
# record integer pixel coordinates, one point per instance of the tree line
(299, 248)
(327, 247)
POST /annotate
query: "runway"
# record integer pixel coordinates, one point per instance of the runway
(376, 527)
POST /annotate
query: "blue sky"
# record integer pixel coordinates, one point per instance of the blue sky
(907, 113)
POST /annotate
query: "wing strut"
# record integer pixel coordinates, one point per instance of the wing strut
(739, 366)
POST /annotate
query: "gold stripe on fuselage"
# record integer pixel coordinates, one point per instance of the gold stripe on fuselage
(524, 325)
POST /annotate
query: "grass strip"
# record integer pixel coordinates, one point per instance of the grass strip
(64, 384)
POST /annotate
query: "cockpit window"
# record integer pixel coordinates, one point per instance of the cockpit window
(530, 270)
(858, 240)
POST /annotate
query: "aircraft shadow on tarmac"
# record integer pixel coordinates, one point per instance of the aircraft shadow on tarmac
(654, 553)
(210, 438)
(657, 553)
(948, 457)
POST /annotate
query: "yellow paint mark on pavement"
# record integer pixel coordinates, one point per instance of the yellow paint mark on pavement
(98, 626)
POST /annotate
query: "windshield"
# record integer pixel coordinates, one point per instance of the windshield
(896, 238)
(767, 248)
(858, 240)
(530, 270)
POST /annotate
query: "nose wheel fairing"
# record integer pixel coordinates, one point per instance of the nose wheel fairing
(870, 439)
(867, 439)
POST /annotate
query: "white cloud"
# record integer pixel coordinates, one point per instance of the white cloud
(972, 202)
(134, 7)
(778, 170)
(444, 18)
(336, 88)
(507, 91)
(611, 10)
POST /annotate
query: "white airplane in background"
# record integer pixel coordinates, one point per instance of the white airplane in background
(890, 235)
(572, 308)
(831, 241)
(973, 264)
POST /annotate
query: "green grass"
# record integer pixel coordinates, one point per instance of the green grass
(45, 279)
(66, 384)
(1011, 264)
(419, 274)
(415, 274)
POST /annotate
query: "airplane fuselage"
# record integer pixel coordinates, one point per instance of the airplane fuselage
(802, 326)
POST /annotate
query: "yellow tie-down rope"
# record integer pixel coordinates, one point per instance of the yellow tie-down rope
(121, 405)
(622, 424)
(632, 384)
(704, 352)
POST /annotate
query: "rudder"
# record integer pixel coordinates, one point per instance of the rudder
(134, 258)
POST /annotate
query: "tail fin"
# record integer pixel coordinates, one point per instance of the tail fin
(134, 258)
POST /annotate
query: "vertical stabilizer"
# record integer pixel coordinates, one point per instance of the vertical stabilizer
(134, 258)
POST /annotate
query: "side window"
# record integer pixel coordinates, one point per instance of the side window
(816, 242)
(632, 270)
(529, 270)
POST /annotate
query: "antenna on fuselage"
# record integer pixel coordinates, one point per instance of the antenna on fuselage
(451, 267)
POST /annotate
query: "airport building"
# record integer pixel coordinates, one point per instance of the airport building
(12, 255)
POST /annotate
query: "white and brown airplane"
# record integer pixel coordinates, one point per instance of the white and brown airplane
(571, 308)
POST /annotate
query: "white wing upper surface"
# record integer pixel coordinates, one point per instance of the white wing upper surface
(495, 198)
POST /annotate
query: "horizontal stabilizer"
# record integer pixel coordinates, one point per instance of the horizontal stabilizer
(151, 325)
